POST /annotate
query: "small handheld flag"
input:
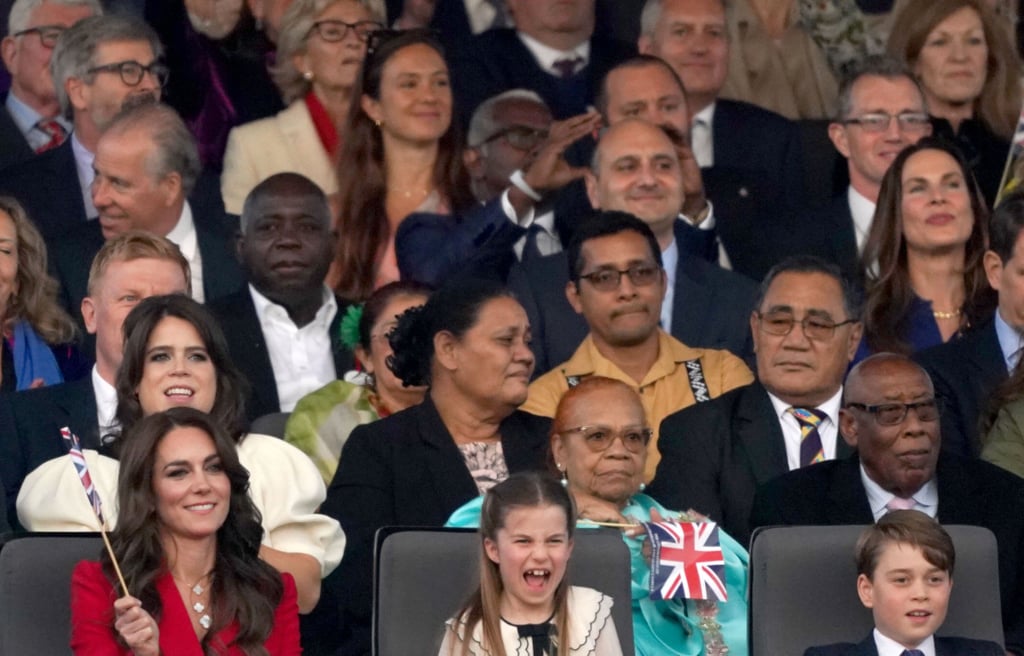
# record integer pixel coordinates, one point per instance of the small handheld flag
(82, 469)
(686, 561)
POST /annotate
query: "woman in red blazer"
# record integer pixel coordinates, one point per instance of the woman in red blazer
(187, 541)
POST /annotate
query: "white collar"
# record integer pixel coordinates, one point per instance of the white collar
(546, 56)
(927, 497)
(106, 402)
(1010, 341)
(706, 116)
(267, 308)
(888, 647)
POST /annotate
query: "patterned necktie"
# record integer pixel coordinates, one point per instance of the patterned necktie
(912, 652)
(901, 503)
(52, 129)
(809, 419)
(567, 67)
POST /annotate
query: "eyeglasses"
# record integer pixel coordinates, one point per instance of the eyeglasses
(335, 30)
(890, 414)
(48, 34)
(600, 438)
(607, 280)
(874, 123)
(520, 137)
(132, 72)
(816, 328)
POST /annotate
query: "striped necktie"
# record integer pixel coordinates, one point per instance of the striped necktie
(54, 130)
(809, 419)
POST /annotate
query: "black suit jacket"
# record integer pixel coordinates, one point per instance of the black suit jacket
(498, 61)
(30, 424)
(755, 183)
(965, 372)
(829, 233)
(72, 256)
(714, 455)
(943, 647)
(971, 492)
(404, 470)
(711, 307)
(237, 317)
(14, 149)
(47, 186)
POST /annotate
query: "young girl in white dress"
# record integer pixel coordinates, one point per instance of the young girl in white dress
(525, 605)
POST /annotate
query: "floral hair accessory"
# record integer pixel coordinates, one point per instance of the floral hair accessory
(349, 329)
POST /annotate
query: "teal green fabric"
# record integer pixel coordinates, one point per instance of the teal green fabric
(665, 627)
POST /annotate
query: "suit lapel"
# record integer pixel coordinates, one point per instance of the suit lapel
(221, 272)
(443, 460)
(846, 501)
(690, 296)
(956, 493)
(64, 171)
(245, 327)
(987, 356)
(867, 646)
(721, 140)
(844, 238)
(79, 404)
(759, 434)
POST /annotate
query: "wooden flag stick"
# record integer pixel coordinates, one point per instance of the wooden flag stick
(611, 524)
(113, 558)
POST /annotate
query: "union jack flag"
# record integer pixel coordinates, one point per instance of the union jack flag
(78, 459)
(686, 561)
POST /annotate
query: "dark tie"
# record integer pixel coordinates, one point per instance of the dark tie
(912, 652)
(567, 67)
(531, 251)
(809, 419)
(52, 129)
(540, 635)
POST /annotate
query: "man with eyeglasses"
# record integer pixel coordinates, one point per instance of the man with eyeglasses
(890, 415)
(806, 329)
(617, 283)
(99, 65)
(881, 112)
(32, 122)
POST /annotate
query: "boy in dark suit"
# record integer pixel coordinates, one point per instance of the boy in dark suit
(905, 575)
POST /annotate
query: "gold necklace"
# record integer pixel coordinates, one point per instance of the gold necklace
(939, 314)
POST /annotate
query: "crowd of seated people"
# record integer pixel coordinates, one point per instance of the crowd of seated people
(753, 262)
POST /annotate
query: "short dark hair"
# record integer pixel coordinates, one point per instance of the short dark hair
(884, 66)
(813, 264)
(1005, 226)
(603, 223)
(910, 527)
(638, 61)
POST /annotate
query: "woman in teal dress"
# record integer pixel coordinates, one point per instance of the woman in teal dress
(599, 446)
(322, 420)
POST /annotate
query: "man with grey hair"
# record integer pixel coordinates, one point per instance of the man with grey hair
(881, 111)
(31, 121)
(99, 65)
(146, 165)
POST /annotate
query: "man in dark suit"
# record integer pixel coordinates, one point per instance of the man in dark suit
(284, 323)
(146, 165)
(890, 416)
(99, 65)
(704, 307)
(967, 371)
(881, 112)
(752, 157)
(126, 270)
(714, 455)
(29, 119)
(553, 50)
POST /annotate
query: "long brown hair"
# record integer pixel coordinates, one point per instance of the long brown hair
(890, 294)
(36, 298)
(521, 490)
(245, 588)
(998, 106)
(363, 228)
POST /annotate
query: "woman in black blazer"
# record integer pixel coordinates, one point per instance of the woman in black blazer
(470, 344)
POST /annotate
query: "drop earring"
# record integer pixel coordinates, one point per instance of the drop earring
(307, 76)
(565, 480)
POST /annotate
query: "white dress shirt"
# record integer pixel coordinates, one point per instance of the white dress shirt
(828, 429)
(26, 119)
(548, 241)
(888, 647)
(546, 56)
(700, 137)
(863, 211)
(106, 405)
(926, 499)
(83, 162)
(670, 260)
(300, 357)
(183, 235)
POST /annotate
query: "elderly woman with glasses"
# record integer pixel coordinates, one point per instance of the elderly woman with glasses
(599, 442)
(320, 49)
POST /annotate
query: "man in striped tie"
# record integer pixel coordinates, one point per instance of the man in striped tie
(806, 328)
